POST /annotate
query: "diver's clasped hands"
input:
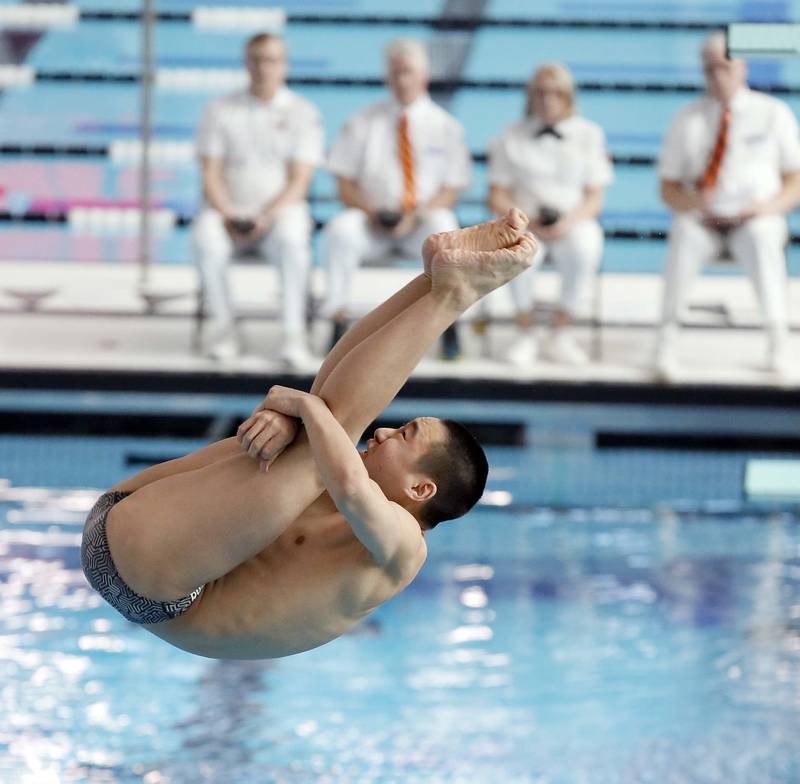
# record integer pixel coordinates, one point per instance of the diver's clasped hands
(273, 425)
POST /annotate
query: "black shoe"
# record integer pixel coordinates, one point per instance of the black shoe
(339, 328)
(451, 347)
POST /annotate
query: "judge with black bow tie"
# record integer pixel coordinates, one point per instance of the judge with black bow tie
(553, 163)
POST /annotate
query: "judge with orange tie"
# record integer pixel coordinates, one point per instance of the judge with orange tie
(400, 165)
(730, 171)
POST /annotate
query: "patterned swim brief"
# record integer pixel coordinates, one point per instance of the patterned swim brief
(98, 566)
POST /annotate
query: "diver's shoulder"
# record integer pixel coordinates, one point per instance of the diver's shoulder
(409, 557)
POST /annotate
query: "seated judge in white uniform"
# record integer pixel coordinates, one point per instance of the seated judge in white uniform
(400, 165)
(258, 149)
(555, 165)
(730, 171)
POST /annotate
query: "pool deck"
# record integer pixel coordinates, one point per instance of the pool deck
(92, 331)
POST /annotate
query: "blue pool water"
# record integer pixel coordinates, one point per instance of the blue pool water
(537, 646)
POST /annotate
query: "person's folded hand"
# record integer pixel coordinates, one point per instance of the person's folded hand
(543, 232)
(285, 400)
(265, 434)
(406, 225)
(261, 225)
(751, 211)
(721, 222)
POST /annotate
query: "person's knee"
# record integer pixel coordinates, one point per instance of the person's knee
(690, 244)
(438, 219)
(583, 247)
(292, 224)
(687, 227)
(347, 226)
(765, 232)
(577, 281)
(345, 235)
(293, 259)
(209, 238)
(289, 237)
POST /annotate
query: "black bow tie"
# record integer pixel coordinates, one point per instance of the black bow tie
(548, 130)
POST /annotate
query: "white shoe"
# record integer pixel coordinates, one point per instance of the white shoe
(522, 352)
(223, 347)
(564, 350)
(779, 356)
(295, 353)
(667, 366)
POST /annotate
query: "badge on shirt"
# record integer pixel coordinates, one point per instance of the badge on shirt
(755, 138)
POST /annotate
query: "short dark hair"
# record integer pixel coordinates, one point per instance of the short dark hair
(459, 467)
(261, 38)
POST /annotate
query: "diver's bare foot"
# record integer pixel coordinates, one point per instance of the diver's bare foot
(462, 276)
(491, 235)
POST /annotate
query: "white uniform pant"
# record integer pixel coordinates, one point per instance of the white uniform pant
(757, 245)
(576, 256)
(287, 244)
(349, 241)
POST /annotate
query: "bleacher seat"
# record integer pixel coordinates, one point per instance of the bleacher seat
(339, 67)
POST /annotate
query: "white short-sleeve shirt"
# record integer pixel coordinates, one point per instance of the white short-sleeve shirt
(366, 151)
(547, 171)
(763, 143)
(256, 141)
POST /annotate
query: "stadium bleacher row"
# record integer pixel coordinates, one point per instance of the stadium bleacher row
(69, 131)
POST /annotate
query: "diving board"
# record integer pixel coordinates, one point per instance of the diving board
(772, 480)
(747, 39)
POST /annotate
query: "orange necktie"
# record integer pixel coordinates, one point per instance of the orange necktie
(708, 179)
(406, 154)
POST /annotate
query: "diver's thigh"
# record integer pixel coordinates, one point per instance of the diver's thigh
(184, 530)
(219, 450)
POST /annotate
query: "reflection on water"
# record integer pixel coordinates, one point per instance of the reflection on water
(227, 705)
(532, 648)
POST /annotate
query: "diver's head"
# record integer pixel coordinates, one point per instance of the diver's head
(432, 467)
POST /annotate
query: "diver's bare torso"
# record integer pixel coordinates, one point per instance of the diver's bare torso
(309, 586)
(283, 574)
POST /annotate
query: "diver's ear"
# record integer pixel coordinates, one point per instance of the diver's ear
(423, 490)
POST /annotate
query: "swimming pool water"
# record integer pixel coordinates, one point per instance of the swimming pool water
(535, 646)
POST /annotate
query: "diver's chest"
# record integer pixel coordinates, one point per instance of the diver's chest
(328, 535)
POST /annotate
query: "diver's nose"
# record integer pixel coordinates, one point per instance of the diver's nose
(382, 433)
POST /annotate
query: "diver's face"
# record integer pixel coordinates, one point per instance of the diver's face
(407, 78)
(266, 66)
(392, 455)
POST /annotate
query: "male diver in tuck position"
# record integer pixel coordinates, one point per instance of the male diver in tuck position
(223, 558)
